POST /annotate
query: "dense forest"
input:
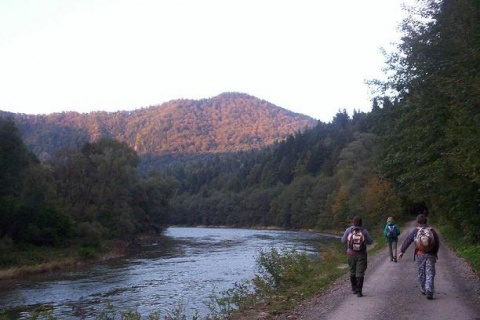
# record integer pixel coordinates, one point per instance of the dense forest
(316, 180)
(168, 133)
(80, 196)
(417, 148)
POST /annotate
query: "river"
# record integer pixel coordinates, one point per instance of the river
(181, 272)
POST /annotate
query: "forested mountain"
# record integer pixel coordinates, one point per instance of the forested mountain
(229, 122)
(317, 179)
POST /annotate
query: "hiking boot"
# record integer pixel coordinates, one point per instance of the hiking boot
(353, 281)
(429, 295)
(359, 286)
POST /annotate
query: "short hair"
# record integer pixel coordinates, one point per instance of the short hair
(421, 219)
(357, 221)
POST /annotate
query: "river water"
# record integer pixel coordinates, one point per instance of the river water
(181, 272)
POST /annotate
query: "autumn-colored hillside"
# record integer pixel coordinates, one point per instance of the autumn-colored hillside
(228, 122)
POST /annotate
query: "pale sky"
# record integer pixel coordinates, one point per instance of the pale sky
(307, 56)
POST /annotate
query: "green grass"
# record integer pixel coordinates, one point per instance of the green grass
(468, 251)
(22, 260)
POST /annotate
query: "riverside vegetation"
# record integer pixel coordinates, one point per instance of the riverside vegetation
(417, 149)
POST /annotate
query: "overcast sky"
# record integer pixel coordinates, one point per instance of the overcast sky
(308, 56)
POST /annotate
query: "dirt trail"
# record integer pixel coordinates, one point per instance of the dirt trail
(391, 289)
(391, 292)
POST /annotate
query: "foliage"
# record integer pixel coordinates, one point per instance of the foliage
(229, 301)
(78, 196)
(430, 151)
(286, 276)
(470, 252)
(229, 122)
(298, 183)
(99, 186)
(14, 163)
(281, 269)
(42, 226)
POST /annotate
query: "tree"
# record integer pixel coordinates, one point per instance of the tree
(94, 186)
(14, 159)
(14, 163)
(430, 151)
(150, 202)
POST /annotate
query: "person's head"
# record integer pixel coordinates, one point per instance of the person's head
(390, 219)
(357, 221)
(421, 219)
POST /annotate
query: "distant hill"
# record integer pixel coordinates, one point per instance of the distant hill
(226, 123)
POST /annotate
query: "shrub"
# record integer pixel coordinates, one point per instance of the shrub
(279, 269)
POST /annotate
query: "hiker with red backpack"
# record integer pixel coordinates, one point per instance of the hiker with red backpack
(426, 249)
(391, 233)
(357, 238)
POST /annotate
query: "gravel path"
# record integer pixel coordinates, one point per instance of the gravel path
(391, 292)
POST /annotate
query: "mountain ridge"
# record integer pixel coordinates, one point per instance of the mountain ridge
(228, 122)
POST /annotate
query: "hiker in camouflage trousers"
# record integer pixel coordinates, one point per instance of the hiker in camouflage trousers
(357, 260)
(425, 260)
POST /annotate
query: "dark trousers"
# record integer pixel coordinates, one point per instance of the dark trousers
(358, 264)
(392, 247)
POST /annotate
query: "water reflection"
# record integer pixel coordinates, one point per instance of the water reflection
(185, 269)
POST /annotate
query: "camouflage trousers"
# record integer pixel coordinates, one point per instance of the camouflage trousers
(426, 272)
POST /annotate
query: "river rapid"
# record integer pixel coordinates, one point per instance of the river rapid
(182, 272)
